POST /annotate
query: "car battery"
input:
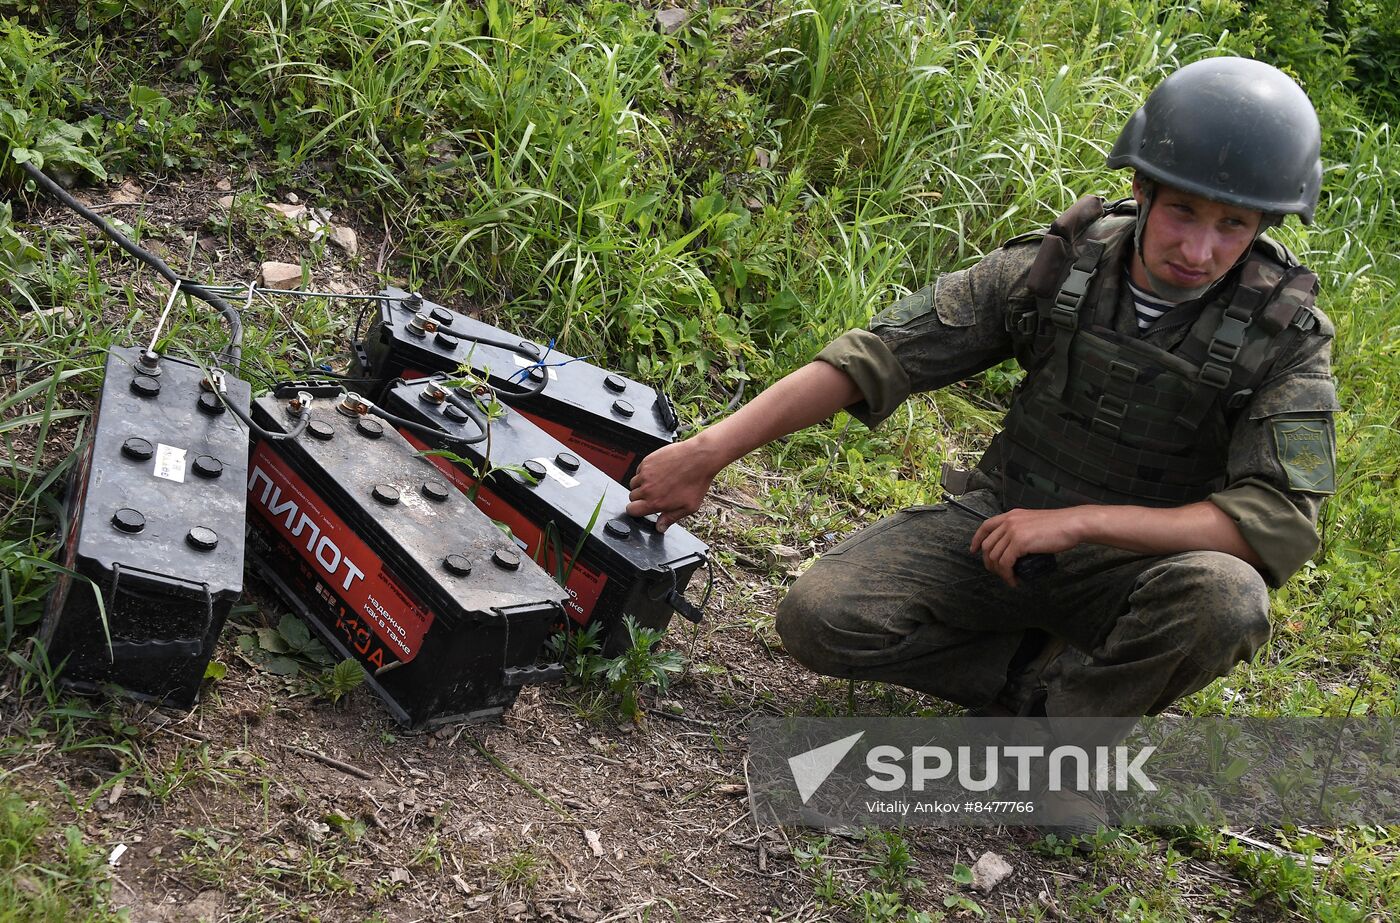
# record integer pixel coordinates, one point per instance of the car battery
(563, 511)
(605, 418)
(153, 549)
(392, 568)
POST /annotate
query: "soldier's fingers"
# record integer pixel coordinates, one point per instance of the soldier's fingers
(979, 537)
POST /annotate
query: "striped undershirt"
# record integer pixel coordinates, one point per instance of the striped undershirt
(1148, 307)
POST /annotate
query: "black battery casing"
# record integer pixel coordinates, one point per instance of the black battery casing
(154, 520)
(606, 418)
(362, 537)
(624, 566)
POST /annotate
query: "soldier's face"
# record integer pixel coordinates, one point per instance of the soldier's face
(1189, 242)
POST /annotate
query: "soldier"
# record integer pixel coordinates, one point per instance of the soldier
(1170, 445)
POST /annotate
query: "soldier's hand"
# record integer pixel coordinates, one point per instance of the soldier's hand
(673, 481)
(1005, 538)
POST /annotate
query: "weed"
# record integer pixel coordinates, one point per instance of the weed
(637, 669)
(335, 683)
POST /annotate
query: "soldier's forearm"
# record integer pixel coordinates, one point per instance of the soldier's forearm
(1199, 526)
(809, 395)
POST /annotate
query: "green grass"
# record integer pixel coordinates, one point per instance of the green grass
(699, 209)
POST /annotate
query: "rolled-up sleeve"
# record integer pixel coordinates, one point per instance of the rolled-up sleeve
(1282, 461)
(942, 333)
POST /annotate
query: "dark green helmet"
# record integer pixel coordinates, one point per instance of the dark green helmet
(1232, 130)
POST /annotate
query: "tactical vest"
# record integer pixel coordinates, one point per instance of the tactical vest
(1104, 417)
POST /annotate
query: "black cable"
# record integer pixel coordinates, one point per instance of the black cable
(429, 430)
(235, 323)
(304, 418)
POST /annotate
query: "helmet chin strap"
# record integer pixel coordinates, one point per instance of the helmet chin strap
(1176, 293)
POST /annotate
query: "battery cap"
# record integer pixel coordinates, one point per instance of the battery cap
(386, 494)
(454, 413)
(435, 491)
(615, 384)
(128, 520)
(458, 565)
(207, 466)
(202, 539)
(536, 470)
(445, 340)
(321, 430)
(137, 448)
(370, 429)
(506, 559)
(618, 529)
(209, 403)
(145, 386)
(567, 460)
(622, 408)
(442, 316)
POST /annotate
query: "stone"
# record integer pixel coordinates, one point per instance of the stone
(670, 20)
(279, 275)
(346, 239)
(224, 185)
(290, 212)
(989, 871)
(292, 198)
(226, 202)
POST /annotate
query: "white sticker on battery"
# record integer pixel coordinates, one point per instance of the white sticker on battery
(554, 471)
(170, 463)
(522, 362)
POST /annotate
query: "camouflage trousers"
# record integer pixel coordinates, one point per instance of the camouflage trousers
(903, 601)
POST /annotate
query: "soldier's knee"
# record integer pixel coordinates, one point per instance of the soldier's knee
(1225, 602)
(809, 621)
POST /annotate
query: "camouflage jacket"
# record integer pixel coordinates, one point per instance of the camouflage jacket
(963, 324)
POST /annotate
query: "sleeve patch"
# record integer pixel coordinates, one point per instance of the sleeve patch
(1304, 450)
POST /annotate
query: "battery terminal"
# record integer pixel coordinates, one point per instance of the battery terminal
(420, 325)
(299, 404)
(214, 382)
(434, 393)
(352, 405)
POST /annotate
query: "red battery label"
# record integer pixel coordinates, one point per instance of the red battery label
(610, 460)
(584, 585)
(343, 560)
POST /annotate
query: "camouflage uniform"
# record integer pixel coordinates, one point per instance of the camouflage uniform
(903, 601)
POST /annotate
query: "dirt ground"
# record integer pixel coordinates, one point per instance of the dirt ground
(265, 803)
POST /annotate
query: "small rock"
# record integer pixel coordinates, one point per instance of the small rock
(224, 185)
(345, 239)
(783, 555)
(762, 157)
(290, 212)
(292, 198)
(595, 842)
(670, 20)
(279, 275)
(399, 876)
(989, 871)
(128, 193)
(226, 202)
(340, 288)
